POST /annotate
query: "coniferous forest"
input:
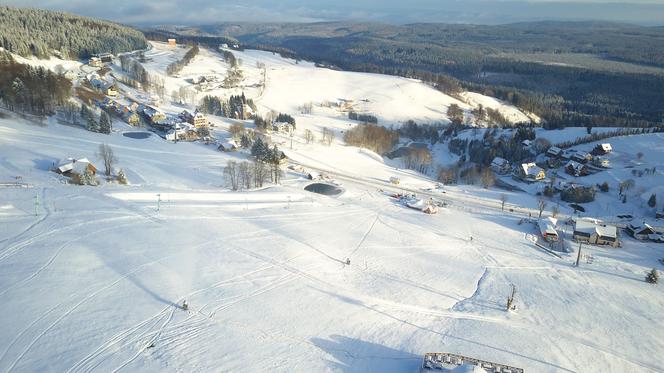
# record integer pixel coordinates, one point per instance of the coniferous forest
(43, 33)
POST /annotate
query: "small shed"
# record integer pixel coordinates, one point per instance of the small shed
(547, 228)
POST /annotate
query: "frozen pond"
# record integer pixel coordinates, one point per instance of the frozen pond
(325, 189)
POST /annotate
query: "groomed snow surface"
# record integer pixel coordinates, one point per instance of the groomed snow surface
(93, 282)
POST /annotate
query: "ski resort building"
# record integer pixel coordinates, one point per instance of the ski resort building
(447, 362)
(593, 232)
(547, 228)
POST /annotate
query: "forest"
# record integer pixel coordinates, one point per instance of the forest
(499, 60)
(28, 89)
(43, 33)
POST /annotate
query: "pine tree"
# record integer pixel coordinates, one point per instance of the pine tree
(91, 124)
(652, 277)
(652, 201)
(245, 142)
(105, 123)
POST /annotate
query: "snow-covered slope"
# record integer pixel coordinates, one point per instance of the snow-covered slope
(290, 84)
(92, 282)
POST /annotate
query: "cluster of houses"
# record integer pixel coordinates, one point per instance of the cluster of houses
(128, 113)
(102, 85)
(99, 60)
(596, 232)
(578, 163)
(283, 127)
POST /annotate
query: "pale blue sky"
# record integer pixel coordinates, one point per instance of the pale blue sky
(649, 12)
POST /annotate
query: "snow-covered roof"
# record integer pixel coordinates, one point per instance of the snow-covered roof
(589, 227)
(548, 226)
(75, 165)
(606, 147)
(530, 169)
(554, 150)
(575, 165)
(500, 162)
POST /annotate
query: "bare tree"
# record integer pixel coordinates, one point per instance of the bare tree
(245, 175)
(555, 210)
(230, 175)
(328, 136)
(503, 199)
(487, 177)
(447, 175)
(541, 205)
(260, 173)
(106, 155)
(309, 136)
(236, 130)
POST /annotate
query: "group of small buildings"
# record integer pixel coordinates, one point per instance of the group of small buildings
(448, 362)
(99, 60)
(644, 232)
(595, 232)
(102, 85)
(283, 127)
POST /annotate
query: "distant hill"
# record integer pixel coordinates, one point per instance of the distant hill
(41, 33)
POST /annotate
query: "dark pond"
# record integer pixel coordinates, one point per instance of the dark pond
(325, 189)
(137, 135)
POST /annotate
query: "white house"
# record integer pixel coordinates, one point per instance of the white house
(530, 171)
(500, 165)
(593, 232)
(547, 228)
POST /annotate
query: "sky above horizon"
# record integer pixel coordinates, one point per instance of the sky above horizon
(196, 12)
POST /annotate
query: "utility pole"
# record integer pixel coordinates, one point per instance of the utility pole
(158, 201)
(36, 204)
(578, 256)
(291, 139)
(510, 298)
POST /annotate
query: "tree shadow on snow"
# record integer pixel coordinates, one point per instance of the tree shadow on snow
(45, 164)
(355, 355)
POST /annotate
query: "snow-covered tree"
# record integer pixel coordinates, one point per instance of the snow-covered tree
(652, 277)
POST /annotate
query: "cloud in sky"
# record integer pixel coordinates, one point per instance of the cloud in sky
(392, 11)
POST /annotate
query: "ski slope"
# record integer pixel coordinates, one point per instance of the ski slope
(289, 84)
(93, 280)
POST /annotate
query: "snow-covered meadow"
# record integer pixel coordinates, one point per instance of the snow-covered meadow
(93, 277)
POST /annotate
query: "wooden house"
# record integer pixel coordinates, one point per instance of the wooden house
(593, 232)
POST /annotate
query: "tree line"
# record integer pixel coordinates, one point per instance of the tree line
(43, 33)
(177, 66)
(29, 89)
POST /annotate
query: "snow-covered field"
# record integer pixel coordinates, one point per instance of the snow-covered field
(290, 84)
(93, 277)
(93, 280)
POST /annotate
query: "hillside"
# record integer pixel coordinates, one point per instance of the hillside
(43, 33)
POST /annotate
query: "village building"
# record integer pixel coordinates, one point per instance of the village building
(228, 146)
(153, 115)
(593, 232)
(199, 120)
(602, 149)
(95, 62)
(554, 152)
(601, 162)
(282, 127)
(531, 172)
(568, 153)
(527, 143)
(172, 42)
(500, 166)
(547, 228)
(582, 157)
(77, 166)
(105, 57)
(131, 118)
(640, 232)
(576, 169)
(103, 86)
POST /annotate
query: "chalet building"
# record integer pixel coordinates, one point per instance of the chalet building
(595, 233)
(95, 62)
(228, 146)
(547, 228)
(640, 232)
(103, 86)
(601, 162)
(105, 57)
(77, 166)
(197, 119)
(131, 118)
(153, 115)
(576, 169)
(582, 157)
(602, 149)
(500, 166)
(282, 127)
(172, 42)
(554, 152)
(530, 172)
